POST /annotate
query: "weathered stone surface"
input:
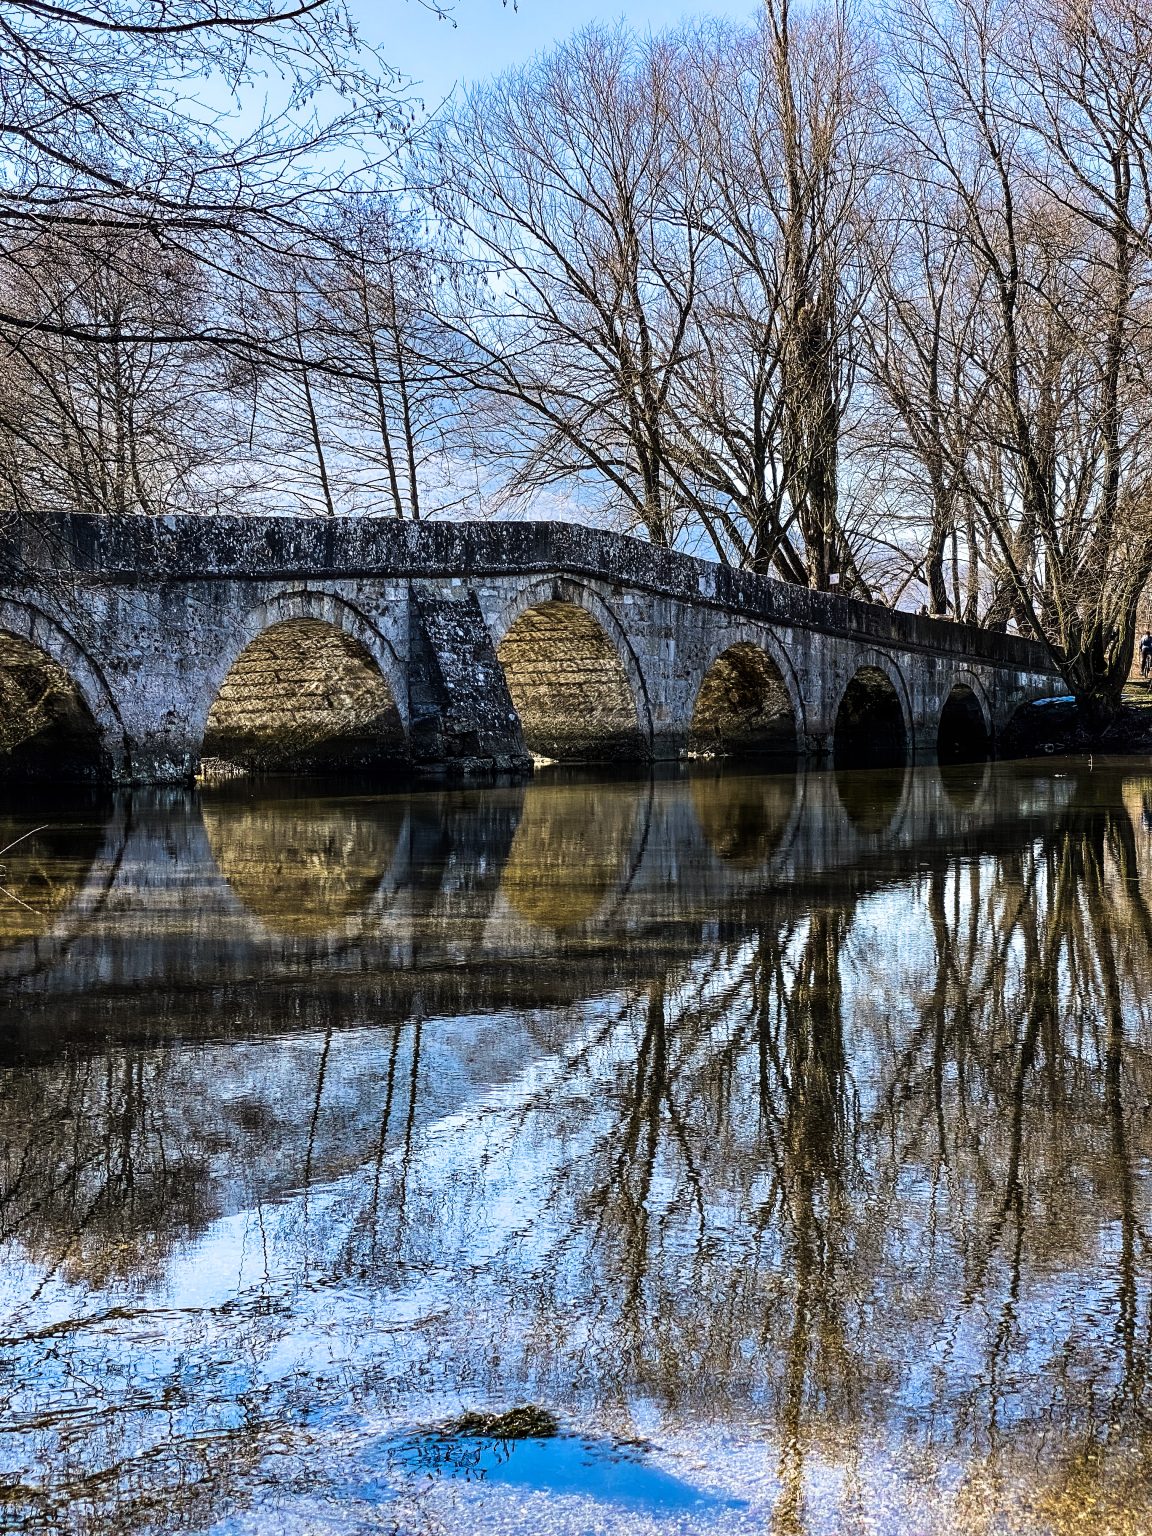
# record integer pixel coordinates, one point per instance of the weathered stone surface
(461, 715)
(475, 642)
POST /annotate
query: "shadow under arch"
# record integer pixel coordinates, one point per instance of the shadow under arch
(305, 696)
(871, 722)
(58, 723)
(963, 734)
(573, 680)
(744, 707)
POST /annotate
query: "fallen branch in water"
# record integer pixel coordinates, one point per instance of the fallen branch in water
(15, 843)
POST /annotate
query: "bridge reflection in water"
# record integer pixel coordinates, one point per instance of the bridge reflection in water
(799, 1125)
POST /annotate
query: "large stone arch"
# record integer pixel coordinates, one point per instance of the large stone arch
(870, 659)
(29, 624)
(752, 635)
(326, 613)
(555, 593)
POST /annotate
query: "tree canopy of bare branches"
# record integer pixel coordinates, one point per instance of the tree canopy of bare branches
(861, 302)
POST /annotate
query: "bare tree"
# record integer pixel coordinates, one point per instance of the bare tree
(98, 413)
(401, 385)
(1035, 119)
(564, 180)
(919, 337)
(779, 127)
(365, 412)
(143, 118)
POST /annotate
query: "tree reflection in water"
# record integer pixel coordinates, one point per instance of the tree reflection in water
(847, 1194)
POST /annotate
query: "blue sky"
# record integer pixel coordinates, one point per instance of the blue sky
(488, 37)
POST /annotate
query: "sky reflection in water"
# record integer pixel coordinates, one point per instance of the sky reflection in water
(796, 1128)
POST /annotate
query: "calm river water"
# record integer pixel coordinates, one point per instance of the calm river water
(781, 1143)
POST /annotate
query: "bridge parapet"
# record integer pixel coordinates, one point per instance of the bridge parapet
(136, 550)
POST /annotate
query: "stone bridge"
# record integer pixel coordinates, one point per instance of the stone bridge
(143, 650)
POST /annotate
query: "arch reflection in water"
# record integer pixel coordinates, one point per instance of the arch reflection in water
(574, 850)
(744, 816)
(306, 867)
(872, 797)
(967, 783)
(47, 852)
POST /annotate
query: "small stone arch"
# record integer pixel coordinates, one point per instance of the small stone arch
(572, 674)
(873, 717)
(309, 685)
(62, 721)
(965, 731)
(748, 701)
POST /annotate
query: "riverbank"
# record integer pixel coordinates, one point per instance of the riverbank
(1056, 728)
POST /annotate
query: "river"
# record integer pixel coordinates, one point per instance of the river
(710, 1152)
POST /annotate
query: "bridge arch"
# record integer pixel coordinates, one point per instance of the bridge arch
(308, 684)
(573, 675)
(58, 718)
(965, 731)
(873, 715)
(748, 700)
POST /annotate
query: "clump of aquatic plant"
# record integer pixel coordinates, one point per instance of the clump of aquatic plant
(524, 1423)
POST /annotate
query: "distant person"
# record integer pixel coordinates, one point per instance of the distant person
(1146, 653)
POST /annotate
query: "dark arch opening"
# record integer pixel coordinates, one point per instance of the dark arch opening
(743, 708)
(47, 731)
(303, 698)
(569, 687)
(870, 730)
(962, 736)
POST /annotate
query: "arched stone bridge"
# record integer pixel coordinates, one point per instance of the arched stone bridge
(138, 649)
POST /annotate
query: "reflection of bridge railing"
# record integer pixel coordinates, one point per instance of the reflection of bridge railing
(229, 888)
